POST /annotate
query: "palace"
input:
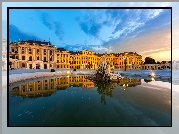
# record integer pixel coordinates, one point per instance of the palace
(36, 54)
(33, 54)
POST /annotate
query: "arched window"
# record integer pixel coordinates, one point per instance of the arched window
(30, 58)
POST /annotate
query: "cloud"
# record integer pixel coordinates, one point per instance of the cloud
(46, 20)
(56, 26)
(146, 44)
(80, 47)
(156, 50)
(122, 23)
(132, 24)
(15, 34)
(91, 22)
(128, 22)
(58, 29)
(90, 27)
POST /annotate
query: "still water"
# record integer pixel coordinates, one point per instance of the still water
(77, 101)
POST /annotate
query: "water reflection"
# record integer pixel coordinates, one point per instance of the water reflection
(105, 88)
(45, 88)
(157, 79)
(130, 82)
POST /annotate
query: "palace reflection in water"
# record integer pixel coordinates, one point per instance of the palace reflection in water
(45, 88)
(64, 101)
(48, 87)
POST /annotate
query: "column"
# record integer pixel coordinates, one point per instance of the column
(62, 58)
(34, 57)
(65, 60)
(41, 54)
(26, 54)
(19, 50)
(48, 55)
(55, 56)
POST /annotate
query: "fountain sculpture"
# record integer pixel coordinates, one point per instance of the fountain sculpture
(105, 71)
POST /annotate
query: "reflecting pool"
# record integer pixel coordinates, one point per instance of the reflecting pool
(77, 101)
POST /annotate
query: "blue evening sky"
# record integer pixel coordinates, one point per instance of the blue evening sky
(145, 31)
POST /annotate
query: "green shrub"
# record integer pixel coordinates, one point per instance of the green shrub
(52, 70)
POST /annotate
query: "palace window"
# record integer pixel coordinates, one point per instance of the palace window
(45, 59)
(38, 58)
(22, 50)
(51, 58)
(30, 58)
(23, 64)
(23, 57)
(45, 51)
(30, 51)
(38, 51)
(51, 52)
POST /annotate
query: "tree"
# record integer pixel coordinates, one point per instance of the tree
(158, 62)
(163, 62)
(149, 60)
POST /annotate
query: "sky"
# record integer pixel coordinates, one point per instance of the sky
(145, 31)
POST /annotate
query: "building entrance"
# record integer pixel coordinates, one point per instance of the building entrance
(37, 66)
(45, 66)
(30, 66)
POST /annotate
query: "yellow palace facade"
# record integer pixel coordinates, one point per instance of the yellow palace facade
(43, 55)
(32, 55)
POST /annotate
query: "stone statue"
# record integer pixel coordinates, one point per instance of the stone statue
(105, 69)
